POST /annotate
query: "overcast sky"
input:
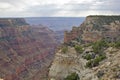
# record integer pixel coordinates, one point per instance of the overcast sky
(61, 8)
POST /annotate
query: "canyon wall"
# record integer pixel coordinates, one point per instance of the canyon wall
(90, 51)
(95, 28)
(25, 51)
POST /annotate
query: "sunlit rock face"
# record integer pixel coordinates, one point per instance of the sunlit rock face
(25, 51)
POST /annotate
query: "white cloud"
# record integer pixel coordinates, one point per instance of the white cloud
(4, 5)
(58, 7)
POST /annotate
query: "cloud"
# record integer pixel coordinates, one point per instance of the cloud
(26, 8)
(108, 5)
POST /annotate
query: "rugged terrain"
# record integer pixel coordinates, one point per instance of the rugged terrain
(57, 24)
(90, 51)
(66, 63)
(96, 28)
(25, 51)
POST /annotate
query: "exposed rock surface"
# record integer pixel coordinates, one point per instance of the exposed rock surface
(25, 51)
(95, 28)
(66, 63)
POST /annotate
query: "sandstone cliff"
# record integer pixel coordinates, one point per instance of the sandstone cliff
(92, 51)
(25, 51)
(95, 28)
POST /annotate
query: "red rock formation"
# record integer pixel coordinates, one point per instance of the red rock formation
(24, 50)
(68, 36)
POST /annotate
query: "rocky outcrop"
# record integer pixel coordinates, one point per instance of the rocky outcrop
(66, 63)
(25, 51)
(95, 28)
(90, 51)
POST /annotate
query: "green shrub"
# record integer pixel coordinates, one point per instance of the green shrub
(102, 57)
(78, 49)
(99, 45)
(92, 63)
(89, 64)
(111, 44)
(73, 76)
(96, 48)
(117, 44)
(64, 49)
(95, 62)
(88, 56)
(99, 58)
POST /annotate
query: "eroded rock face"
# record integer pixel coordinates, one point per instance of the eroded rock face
(95, 28)
(25, 51)
(66, 63)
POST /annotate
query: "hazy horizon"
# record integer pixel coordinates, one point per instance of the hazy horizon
(56, 23)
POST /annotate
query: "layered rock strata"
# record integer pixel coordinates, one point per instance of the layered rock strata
(25, 51)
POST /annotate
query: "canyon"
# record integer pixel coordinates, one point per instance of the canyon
(26, 51)
(36, 51)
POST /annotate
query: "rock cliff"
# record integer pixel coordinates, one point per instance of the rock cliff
(66, 63)
(91, 51)
(95, 28)
(25, 51)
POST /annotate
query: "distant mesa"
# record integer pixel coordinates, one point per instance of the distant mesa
(12, 22)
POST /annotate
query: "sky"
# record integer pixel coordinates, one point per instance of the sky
(58, 8)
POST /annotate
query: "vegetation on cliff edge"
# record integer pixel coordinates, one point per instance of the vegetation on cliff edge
(72, 76)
